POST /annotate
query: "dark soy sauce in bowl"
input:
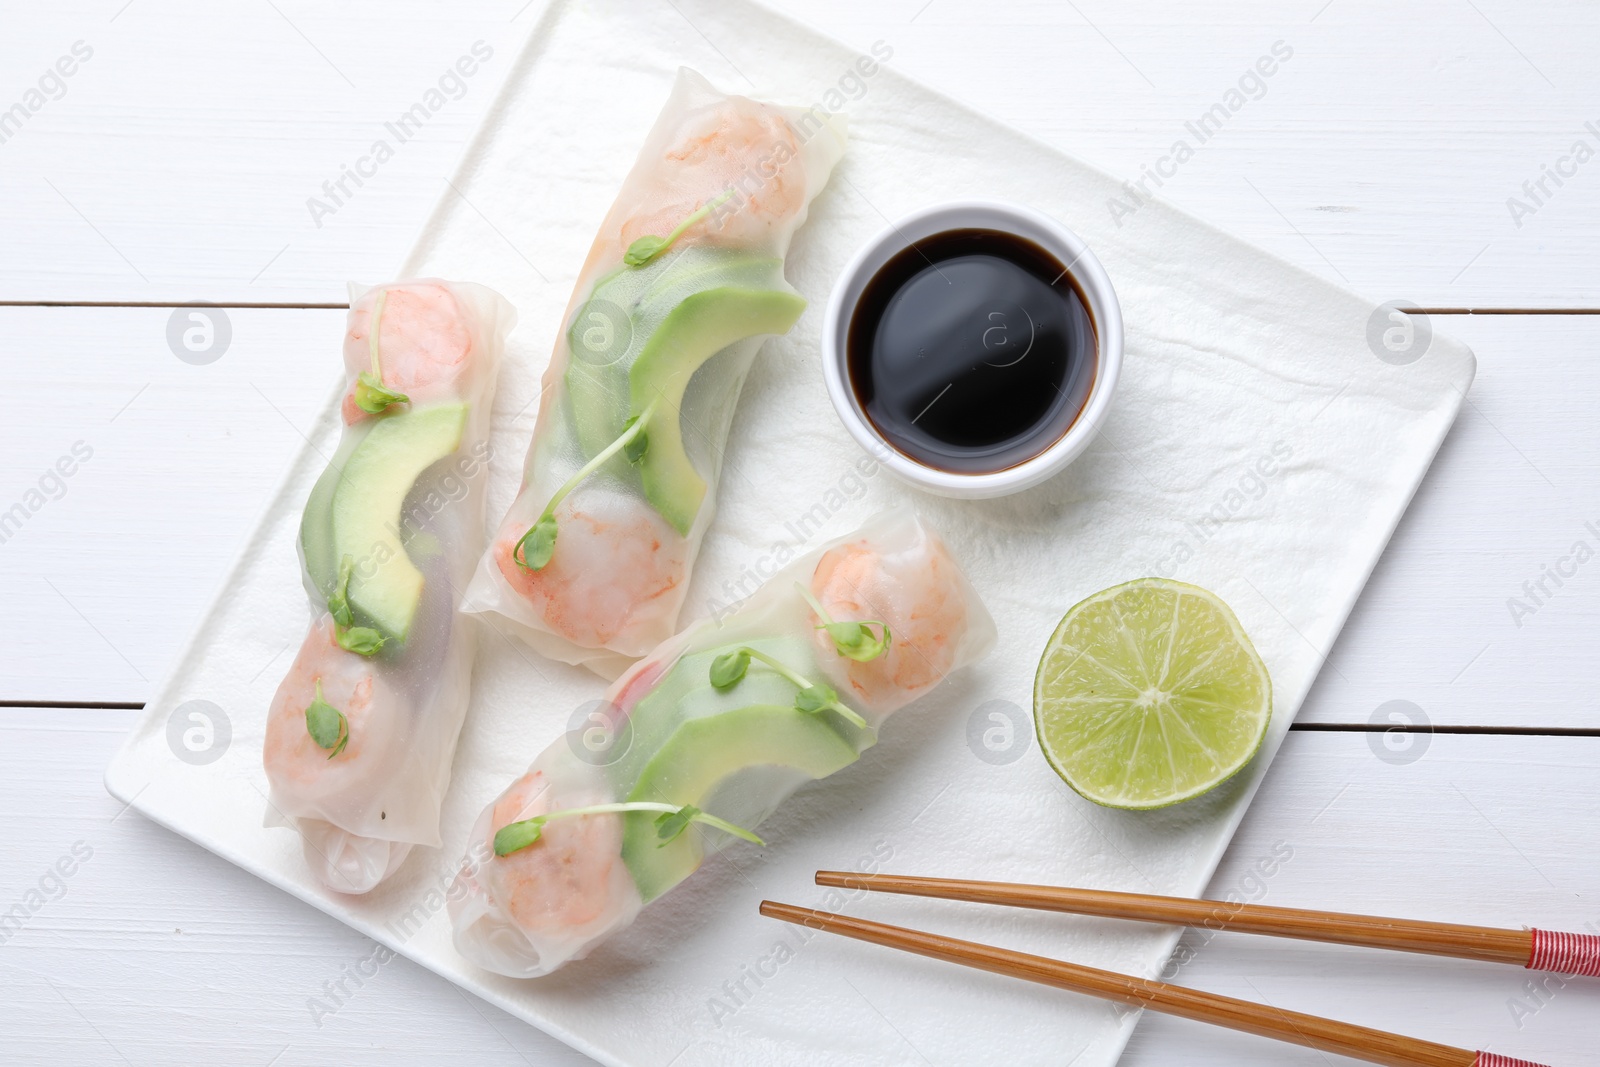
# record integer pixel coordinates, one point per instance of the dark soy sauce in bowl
(972, 351)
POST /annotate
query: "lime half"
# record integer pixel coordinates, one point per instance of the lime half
(1149, 694)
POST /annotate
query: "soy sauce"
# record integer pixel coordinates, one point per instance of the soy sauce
(972, 351)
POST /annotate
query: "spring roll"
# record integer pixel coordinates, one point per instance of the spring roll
(684, 281)
(702, 739)
(361, 733)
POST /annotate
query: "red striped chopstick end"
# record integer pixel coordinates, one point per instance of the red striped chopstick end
(1566, 954)
(1490, 1059)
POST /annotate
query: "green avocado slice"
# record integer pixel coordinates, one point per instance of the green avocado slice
(697, 329)
(316, 531)
(699, 755)
(355, 511)
(625, 309)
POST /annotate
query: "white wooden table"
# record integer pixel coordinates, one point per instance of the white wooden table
(175, 163)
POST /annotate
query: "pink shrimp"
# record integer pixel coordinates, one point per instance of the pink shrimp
(424, 343)
(917, 594)
(565, 878)
(298, 768)
(739, 149)
(609, 573)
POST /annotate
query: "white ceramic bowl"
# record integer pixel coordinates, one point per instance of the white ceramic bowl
(1061, 242)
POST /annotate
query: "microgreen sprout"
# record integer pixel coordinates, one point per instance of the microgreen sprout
(670, 825)
(536, 546)
(326, 724)
(853, 640)
(339, 599)
(647, 248)
(673, 820)
(371, 395)
(814, 698)
(728, 669)
(362, 640)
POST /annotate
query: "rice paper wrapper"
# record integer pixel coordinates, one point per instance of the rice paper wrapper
(531, 911)
(360, 808)
(616, 582)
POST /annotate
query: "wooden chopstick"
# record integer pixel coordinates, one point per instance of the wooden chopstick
(1346, 1039)
(1405, 935)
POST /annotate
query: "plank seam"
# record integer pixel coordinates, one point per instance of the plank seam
(171, 304)
(1382, 728)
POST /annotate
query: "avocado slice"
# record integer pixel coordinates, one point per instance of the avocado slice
(316, 522)
(355, 511)
(703, 752)
(697, 329)
(625, 309)
(686, 692)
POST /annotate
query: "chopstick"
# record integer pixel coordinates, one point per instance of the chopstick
(1346, 1039)
(1543, 950)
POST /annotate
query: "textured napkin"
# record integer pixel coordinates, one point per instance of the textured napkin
(1258, 446)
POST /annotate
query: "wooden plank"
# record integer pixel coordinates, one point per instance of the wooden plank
(1460, 619)
(107, 568)
(180, 162)
(149, 928)
(111, 576)
(1382, 154)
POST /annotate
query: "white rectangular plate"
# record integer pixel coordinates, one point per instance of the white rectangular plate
(1258, 447)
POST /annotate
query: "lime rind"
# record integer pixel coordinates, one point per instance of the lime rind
(1149, 694)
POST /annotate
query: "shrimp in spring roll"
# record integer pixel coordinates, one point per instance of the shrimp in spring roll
(718, 726)
(361, 733)
(684, 281)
